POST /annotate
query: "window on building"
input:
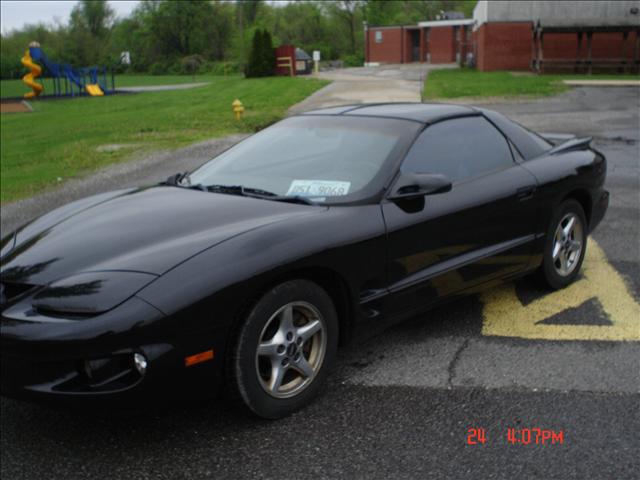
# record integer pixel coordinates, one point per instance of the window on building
(378, 36)
(460, 149)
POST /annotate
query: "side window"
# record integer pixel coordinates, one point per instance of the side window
(529, 144)
(460, 149)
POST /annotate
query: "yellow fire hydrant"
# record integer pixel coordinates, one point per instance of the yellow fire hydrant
(238, 108)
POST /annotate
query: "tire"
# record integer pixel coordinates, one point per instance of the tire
(284, 349)
(559, 270)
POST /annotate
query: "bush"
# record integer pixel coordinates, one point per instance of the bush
(219, 68)
(190, 64)
(158, 68)
(327, 52)
(174, 68)
(356, 60)
(11, 67)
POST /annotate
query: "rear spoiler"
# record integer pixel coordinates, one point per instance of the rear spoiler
(557, 138)
(565, 142)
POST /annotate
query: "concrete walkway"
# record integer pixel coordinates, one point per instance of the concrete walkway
(387, 83)
(603, 83)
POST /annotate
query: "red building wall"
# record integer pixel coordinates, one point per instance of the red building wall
(504, 46)
(508, 46)
(610, 44)
(603, 45)
(497, 46)
(390, 50)
(441, 45)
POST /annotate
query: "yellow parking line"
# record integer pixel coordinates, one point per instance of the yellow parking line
(505, 316)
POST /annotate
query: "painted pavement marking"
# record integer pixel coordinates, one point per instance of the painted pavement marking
(504, 315)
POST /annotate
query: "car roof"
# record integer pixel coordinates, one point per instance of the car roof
(417, 112)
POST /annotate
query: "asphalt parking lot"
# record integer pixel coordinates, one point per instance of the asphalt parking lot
(401, 404)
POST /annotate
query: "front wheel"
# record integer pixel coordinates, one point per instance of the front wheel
(565, 246)
(284, 349)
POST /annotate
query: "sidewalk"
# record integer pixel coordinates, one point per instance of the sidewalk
(386, 83)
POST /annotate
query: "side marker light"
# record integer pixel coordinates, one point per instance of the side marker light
(198, 358)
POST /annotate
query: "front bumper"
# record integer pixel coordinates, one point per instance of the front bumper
(52, 361)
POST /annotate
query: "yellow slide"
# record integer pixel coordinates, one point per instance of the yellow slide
(94, 90)
(30, 77)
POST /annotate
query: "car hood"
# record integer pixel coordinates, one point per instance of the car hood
(145, 230)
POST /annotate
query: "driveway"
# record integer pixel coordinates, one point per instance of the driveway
(401, 405)
(386, 83)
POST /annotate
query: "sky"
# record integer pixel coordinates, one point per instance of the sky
(15, 14)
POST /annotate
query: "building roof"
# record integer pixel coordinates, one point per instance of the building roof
(417, 112)
(560, 14)
(302, 55)
(450, 15)
(447, 23)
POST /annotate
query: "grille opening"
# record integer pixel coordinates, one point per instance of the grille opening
(47, 312)
(12, 291)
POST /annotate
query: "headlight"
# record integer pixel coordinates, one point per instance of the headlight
(90, 293)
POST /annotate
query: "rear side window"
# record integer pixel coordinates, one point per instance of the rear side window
(460, 149)
(529, 144)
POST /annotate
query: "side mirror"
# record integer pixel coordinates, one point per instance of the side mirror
(416, 185)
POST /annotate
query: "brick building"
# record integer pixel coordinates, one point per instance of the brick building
(440, 41)
(522, 35)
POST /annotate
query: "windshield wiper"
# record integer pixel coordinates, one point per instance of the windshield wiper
(177, 179)
(258, 193)
(182, 180)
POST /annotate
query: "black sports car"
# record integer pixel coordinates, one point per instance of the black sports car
(246, 274)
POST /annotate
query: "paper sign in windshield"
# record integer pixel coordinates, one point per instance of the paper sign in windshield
(318, 188)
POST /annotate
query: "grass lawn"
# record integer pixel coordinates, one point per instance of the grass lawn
(466, 82)
(16, 88)
(61, 138)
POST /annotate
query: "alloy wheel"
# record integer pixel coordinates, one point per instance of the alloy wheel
(567, 244)
(291, 349)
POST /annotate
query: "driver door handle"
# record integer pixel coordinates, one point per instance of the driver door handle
(525, 193)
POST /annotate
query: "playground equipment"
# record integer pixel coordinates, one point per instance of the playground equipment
(34, 72)
(67, 81)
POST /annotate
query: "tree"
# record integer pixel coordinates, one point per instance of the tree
(181, 28)
(348, 12)
(253, 64)
(261, 56)
(164, 35)
(382, 12)
(94, 16)
(247, 11)
(268, 59)
(89, 27)
(396, 12)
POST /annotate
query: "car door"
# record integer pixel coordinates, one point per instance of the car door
(480, 230)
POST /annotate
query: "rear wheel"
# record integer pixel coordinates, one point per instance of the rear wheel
(565, 246)
(284, 349)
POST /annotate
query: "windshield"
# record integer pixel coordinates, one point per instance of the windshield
(323, 158)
